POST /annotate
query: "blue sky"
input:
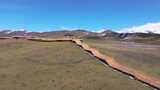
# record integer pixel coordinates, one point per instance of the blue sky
(44, 15)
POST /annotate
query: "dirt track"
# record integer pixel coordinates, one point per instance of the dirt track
(153, 82)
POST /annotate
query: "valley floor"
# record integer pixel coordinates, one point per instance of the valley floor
(142, 57)
(28, 65)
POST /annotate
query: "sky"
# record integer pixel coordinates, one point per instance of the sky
(47, 15)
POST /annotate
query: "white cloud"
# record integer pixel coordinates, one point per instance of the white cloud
(71, 29)
(102, 30)
(149, 27)
(12, 30)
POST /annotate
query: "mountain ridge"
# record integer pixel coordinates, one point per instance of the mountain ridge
(80, 33)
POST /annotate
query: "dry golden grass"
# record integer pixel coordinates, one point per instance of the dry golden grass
(27, 65)
(143, 57)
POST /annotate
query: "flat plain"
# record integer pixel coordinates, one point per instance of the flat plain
(144, 57)
(28, 65)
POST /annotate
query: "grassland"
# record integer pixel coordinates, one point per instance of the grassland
(143, 57)
(28, 65)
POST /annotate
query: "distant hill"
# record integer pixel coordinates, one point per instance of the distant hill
(106, 34)
(128, 36)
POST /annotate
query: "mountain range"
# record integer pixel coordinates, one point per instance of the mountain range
(105, 34)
